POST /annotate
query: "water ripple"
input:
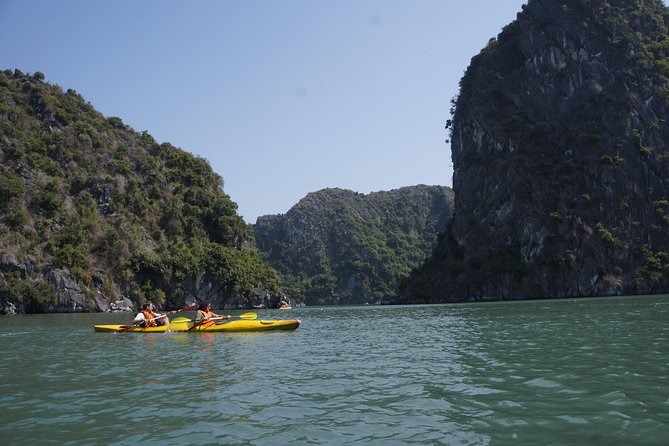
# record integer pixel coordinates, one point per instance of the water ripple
(560, 372)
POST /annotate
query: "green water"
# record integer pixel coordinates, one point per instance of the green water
(573, 372)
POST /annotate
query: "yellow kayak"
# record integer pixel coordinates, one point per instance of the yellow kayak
(230, 327)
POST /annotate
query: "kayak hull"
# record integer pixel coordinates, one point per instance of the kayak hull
(228, 327)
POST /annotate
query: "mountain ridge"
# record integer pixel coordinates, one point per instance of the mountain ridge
(336, 246)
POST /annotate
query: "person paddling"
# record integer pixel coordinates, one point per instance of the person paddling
(147, 318)
(205, 314)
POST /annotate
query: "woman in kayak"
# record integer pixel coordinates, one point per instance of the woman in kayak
(204, 313)
(147, 318)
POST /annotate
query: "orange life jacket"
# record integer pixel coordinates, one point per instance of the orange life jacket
(150, 318)
(205, 314)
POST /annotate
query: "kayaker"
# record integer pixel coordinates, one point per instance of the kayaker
(147, 318)
(204, 313)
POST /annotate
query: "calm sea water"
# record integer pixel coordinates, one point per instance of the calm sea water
(573, 372)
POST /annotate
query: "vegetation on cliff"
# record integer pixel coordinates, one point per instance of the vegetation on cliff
(92, 211)
(559, 144)
(340, 247)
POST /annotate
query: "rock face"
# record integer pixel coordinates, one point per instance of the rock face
(559, 144)
(341, 247)
(208, 287)
(71, 299)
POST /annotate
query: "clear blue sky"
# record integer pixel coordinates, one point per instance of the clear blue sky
(282, 97)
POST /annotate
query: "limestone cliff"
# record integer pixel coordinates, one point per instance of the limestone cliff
(559, 145)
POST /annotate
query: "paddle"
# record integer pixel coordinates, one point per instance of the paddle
(128, 327)
(249, 316)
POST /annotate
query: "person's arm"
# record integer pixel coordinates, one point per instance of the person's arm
(139, 318)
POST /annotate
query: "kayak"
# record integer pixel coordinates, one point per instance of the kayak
(228, 327)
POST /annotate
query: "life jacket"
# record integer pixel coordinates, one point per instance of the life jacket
(205, 314)
(150, 318)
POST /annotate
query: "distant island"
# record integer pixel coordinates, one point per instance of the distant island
(340, 247)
